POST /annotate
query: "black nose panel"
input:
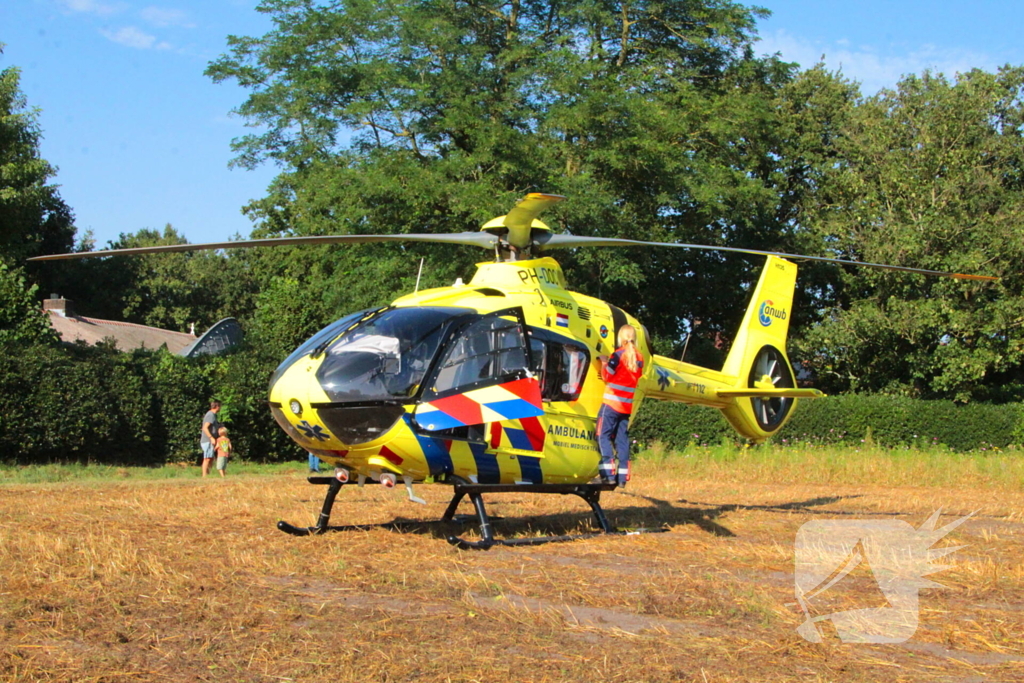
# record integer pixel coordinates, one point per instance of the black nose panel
(354, 425)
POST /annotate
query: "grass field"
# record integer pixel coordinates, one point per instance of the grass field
(112, 576)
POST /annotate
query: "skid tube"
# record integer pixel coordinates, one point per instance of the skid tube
(323, 525)
(591, 493)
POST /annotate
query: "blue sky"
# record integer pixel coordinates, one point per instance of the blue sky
(142, 138)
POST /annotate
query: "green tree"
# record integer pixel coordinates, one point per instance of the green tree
(171, 291)
(22, 320)
(928, 175)
(33, 218)
(407, 116)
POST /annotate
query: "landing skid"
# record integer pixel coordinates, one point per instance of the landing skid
(591, 493)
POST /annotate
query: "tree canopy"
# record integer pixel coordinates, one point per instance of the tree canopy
(22, 321)
(34, 219)
(931, 175)
(655, 119)
(660, 123)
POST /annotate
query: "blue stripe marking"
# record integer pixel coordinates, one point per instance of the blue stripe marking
(437, 420)
(439, 460)
(515, 408)
(531, 469)
(519, 439)
(487, 471)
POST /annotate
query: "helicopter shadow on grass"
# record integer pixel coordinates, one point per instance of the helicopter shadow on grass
(804, 507)
(705, 515)
(658, 515)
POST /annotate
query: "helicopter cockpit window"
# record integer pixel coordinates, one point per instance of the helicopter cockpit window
(321, 337)
(385, 357)
(563, 365)
(489, 350)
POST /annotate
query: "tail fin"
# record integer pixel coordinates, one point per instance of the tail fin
(756, 388)
(767, 319)
(758, 359)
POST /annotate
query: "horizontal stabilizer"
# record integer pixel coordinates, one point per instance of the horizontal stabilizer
(770, 393)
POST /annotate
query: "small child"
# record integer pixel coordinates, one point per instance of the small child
(223, 450)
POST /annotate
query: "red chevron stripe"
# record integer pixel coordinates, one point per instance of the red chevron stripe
(390, 455)
(463, 409)
(534, 431)
(527, 389)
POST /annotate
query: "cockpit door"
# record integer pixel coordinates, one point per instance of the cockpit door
(485, 374)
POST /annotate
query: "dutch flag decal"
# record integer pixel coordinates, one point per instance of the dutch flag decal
(562, 320)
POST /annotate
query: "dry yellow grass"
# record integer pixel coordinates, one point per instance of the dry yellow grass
(188, 580)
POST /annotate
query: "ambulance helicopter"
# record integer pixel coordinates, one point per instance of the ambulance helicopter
(492, 386)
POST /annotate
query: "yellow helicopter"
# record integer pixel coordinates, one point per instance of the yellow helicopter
(493, 385)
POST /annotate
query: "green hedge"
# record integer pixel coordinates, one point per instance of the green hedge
(887, 420)
(73, 404)
(902, 421)
(678, 424)
(95, 404)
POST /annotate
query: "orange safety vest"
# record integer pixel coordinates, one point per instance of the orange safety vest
(620, 382)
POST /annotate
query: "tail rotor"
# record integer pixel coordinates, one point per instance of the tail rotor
(771, 370)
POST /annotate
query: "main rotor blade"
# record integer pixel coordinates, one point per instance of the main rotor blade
(529, 207)
(478, 239)
(564, 241)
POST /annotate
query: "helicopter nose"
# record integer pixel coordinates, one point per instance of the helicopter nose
(357, 425)
(313, 419)
(335, 426)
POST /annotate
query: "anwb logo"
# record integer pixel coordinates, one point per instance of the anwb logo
(864, 576)
(767, 311)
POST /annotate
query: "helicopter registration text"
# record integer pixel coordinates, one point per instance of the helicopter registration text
(545, 276)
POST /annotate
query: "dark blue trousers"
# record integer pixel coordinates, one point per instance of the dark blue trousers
(613, 439)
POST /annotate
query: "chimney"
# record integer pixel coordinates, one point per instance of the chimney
(59, 304)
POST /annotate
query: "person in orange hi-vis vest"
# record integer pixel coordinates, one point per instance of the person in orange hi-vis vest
(621, 372)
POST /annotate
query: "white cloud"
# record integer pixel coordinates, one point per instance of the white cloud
(873, 67)
(130, 36)
(159, 16)
(92, 7)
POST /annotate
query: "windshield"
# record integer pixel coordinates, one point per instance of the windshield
(321, 337)
(386, 356)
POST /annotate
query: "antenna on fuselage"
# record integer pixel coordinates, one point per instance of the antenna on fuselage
(418, 277)
(693, 327)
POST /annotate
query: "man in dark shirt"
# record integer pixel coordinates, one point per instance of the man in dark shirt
(208, 439)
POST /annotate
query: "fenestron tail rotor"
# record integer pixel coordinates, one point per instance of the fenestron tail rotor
(771, 367)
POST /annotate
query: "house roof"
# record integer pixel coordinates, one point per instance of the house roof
(127, 336)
